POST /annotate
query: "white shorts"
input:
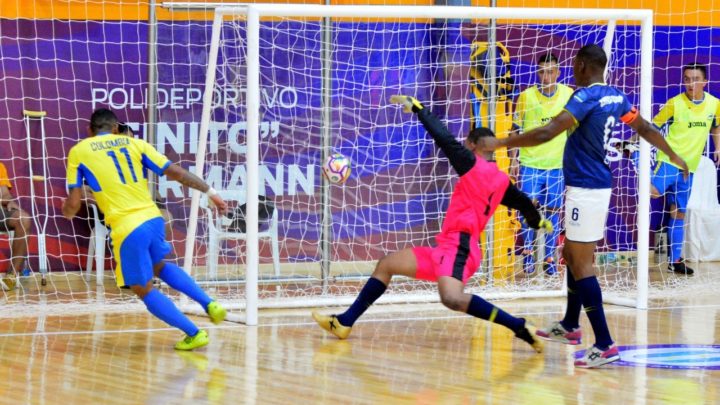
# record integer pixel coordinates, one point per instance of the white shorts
(586, 211)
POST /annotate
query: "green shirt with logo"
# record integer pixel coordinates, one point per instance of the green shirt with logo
(688, 126)
(534, 109)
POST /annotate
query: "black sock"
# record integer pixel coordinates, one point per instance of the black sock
(589, 289)
(574, 304)
(482, 309)
(372, 290)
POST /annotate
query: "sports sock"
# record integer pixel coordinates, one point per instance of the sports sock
(574, 304)
(161, 306)
(178, 279)
(482, 309)
(677, 237)
(372, 290)
(589, 290)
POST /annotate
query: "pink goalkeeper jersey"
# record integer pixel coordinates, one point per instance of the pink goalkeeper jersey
(477, 194)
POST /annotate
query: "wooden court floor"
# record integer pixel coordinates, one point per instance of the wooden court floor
(414, 354)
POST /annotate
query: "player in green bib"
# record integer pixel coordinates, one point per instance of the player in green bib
(687, 119)
(540, 167)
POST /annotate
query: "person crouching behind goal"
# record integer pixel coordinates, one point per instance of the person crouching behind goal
(481, 188)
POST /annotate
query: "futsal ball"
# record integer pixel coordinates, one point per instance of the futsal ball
(336, 168)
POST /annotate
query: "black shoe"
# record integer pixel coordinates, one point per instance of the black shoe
(679, 267)
(528, 333)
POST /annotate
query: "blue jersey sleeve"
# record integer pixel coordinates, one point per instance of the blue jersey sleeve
(578, 105)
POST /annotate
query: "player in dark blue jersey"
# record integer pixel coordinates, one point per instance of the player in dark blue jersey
(590, 117)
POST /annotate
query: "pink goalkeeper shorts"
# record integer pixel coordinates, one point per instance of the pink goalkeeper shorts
(457, 255)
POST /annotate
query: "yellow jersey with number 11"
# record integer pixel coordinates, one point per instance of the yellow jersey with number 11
(116, 167)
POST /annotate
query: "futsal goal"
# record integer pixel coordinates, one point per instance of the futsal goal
(287, 85)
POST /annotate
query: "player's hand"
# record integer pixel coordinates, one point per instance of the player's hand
(546, 225)
(219, 204)
(716, 158)
(678, 161)
(409, 104)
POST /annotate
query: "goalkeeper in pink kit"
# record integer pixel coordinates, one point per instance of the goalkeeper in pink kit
(480, 189)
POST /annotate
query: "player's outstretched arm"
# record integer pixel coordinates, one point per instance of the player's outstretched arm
(651, 134)
(177, 173)
(518, 200)
(460, 157)
(562, 122)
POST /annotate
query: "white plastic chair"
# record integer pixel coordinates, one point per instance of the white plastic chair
(96, 247)
(702, 218)
(218, 231)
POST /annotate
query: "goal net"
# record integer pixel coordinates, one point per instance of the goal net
(320, 84)
(322, 87)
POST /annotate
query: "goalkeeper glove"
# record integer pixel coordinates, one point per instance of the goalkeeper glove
(545, 225)
(410, 104)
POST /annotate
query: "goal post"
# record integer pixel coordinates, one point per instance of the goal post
(246, 61)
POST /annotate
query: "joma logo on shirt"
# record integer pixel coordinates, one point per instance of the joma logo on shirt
(696, 124)
(610, 100)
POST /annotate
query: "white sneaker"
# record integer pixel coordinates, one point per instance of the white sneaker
(595, 357)
(558, 333)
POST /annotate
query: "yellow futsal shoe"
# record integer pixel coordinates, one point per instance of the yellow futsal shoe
(331, 324)
(216, 312)
(193, 342)
(528, 333)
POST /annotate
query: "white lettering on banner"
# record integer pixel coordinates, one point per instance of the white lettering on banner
(186, 133)
(184, 98)
(182, 137)
(297, 176)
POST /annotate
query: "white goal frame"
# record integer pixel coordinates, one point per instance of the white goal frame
(254, 12)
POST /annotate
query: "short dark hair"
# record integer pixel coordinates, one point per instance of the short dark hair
(547, 58)
(125, 129)
(103, 119)
(480, 132)
(593, 55)
(696, 66)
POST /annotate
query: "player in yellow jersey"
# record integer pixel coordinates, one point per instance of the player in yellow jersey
(540, 167)
(687, 120)
(115, 167)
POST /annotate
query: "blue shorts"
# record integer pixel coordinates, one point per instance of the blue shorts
(544, 185)
(144, 247)
(668, 180)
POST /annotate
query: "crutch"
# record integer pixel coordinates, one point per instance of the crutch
(40, 223)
